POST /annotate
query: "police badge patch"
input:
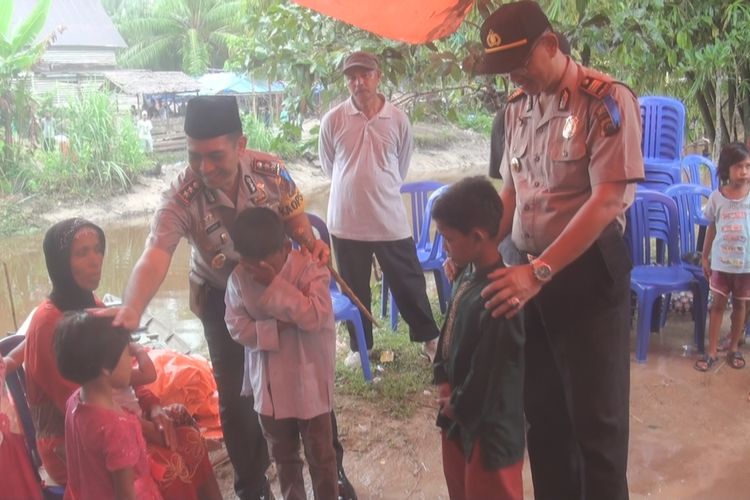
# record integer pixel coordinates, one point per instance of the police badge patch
(571, 127)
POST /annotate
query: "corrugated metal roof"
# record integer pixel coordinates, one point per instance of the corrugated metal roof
(86, 23)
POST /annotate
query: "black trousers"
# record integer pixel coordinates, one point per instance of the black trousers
(398, 260)
(243, 436)
(577, 384)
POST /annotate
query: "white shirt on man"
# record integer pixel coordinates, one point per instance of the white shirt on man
(367, 161)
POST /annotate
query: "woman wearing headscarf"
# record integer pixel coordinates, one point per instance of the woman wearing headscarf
(74, 252)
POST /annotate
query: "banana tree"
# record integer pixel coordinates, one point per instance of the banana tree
(20, 48)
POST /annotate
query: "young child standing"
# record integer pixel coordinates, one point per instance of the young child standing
(726, 252)
(104, 446)
(479, 364)
(279, 308)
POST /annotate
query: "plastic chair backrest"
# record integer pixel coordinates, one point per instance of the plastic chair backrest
(653, 218)
(425, 240)
(690, 200)
(693, 167)
(663, 122)
(16, 383)
(419, 193)
(660, 175)
(320, 227)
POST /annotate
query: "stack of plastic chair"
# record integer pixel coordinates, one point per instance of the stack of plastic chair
(663, 122)
(699, 170)
(16, 383)
(343, 308)
(654, 276)
(690, 200)
(419, 194)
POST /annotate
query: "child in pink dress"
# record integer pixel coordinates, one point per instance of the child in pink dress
(105, 449)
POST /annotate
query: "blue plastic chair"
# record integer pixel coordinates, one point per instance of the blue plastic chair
(690, 200)
(663, 122)
(419, 194)
(343, 308)
(652, 276)
(693, 168)
(659, 175)
(16, 383)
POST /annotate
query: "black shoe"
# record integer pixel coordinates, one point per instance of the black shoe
(346, 490)
(266, 493)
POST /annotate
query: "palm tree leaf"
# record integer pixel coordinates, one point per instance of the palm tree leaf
(149, 51)
(194, 54)
(224, 14)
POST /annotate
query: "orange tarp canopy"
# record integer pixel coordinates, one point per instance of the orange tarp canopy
(412, 21)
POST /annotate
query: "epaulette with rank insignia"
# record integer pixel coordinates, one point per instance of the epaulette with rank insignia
(608, 115)
(188, 191)
(516, 94)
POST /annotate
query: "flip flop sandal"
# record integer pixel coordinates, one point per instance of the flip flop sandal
(705, 363)
(735, 360)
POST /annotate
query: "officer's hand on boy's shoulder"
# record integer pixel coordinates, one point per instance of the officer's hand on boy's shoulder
(444, 400)
(451, 269)
(320, 252)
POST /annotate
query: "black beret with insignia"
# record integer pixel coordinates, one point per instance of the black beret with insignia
(212, 116)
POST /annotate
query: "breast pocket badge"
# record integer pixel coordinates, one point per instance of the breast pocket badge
(570, 128)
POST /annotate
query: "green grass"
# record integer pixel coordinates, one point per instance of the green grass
(399, 386)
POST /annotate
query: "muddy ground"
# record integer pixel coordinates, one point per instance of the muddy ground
(688, 434)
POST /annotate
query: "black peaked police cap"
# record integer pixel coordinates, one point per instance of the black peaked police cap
(508, 35)
(207, 117)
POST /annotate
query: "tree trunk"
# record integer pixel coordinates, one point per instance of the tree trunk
(708, 121)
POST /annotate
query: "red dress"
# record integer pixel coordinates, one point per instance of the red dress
(100, 441)
(179, 474)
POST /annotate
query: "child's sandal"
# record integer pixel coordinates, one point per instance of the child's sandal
(705, 363)
(735, 360)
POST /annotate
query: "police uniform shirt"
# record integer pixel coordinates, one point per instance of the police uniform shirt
(553, 159)
(203, 215)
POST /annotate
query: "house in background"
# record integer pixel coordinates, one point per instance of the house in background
(85, 47)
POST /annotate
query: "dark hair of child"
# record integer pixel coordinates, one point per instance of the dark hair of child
(86, 344)
(258, 232)
(468, 204)
(732, 153)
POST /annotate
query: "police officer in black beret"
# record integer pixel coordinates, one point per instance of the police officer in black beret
(221, 180)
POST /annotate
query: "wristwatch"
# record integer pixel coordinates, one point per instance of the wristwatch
(542, 271)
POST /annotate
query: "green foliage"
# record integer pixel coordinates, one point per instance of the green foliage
(477, 120)
(102, 157)
(14, 220)
(695, 50)
(284, 41)
(191, 35)
(284, 141)
(19, 50)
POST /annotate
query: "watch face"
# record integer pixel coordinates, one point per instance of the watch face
(542, 272)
